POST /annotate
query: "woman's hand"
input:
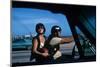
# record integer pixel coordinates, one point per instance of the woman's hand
(45, 54)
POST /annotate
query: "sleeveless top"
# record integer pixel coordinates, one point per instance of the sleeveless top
(40, 45)
(52, 49)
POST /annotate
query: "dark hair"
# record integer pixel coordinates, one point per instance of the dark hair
(55, 29)
(39, 25)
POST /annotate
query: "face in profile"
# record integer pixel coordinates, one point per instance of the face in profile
(57, 33)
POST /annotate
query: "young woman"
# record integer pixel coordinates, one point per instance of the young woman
(38, 44)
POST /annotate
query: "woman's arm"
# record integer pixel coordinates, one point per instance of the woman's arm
(35, 46)
(58, 40)
(67, 40)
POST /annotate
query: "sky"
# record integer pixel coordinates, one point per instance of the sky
(24, 21)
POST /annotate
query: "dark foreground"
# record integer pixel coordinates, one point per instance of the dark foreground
(21, 57)
(64, 59)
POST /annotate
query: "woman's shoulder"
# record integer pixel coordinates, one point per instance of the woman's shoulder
(56, 38)
(34, 38)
